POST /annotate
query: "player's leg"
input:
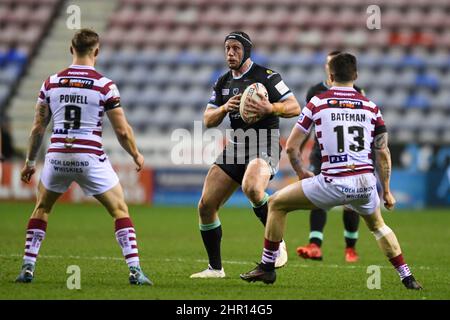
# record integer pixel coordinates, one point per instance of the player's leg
(285, 200)
(217, 188)
(36, 229)
(389, 245)
(351, 223)
(114, 202)
(317, 217)
(317, 221)
(254, 185)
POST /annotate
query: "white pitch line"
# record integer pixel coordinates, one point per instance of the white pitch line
(314, 264)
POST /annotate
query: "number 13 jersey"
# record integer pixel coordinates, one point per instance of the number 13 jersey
(78, 97)
(346, 123)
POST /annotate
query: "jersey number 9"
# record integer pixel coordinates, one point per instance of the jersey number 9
(72, 117)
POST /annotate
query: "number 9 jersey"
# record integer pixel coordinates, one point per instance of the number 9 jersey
(78, 98)
(346, 123)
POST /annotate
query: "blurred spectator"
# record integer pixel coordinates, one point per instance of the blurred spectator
(7, 150)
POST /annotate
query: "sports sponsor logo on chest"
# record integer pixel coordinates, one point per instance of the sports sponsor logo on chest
(345, 103)
(76, 83)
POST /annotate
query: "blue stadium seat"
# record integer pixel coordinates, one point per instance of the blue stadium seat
(419, 101)
(427, 80)
(412, 61)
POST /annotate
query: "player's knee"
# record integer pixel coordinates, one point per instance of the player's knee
(381, 232)
(374, 225)
(273, 202)
(253, 194)
(206, 208)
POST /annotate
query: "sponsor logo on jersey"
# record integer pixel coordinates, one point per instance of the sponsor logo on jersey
(68, 142)
(60, 131)
(76, 83)
(270, 73)
(282, 87)
(225, 92)
(348, 94)
(333, 102)
(78, 73)
(302, 116)
(345, 103)
(338, 158)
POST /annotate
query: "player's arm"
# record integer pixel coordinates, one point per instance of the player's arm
(384, 166)
(281, 101)
(286, 108)
(308, 136)
(125, 135)
(42, 116)
(309, 95)
(214, 115)
(293, 150)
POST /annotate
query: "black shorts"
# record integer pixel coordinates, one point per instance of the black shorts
(235, 166)
(315, 158)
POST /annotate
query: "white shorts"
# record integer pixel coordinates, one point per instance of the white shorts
(358, 192)
(94, 174)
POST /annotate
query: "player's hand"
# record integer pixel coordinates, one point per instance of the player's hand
(232, 105)
(262, 107)
(389, 200)
(139, 161)
(27, 172)
(305, 174)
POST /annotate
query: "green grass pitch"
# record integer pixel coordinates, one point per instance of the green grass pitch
(171, 249)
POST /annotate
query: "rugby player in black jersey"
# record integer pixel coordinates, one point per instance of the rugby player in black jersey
(318, 217)
(251, 157)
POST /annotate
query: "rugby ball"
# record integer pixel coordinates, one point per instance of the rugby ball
(251, 93)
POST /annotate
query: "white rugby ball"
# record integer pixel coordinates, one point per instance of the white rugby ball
(251, 93)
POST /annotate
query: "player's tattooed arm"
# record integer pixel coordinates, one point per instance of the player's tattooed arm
(384, 165)
(293, 149)
(42, 116)
(383, 159)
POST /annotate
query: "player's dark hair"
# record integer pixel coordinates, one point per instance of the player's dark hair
(84, 41)
(334, 53)
(343, 67)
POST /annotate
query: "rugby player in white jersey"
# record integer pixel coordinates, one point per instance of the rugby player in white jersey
(77, 99)
(350, 130)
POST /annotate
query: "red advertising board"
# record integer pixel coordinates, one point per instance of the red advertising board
(137, 186)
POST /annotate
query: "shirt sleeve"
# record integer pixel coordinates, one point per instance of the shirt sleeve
(276, 88)
(380, 126)
(112, 97)
(43, 96)
(215, 100)
(305, 120)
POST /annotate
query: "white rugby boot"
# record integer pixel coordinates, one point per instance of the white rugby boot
(209, 273)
